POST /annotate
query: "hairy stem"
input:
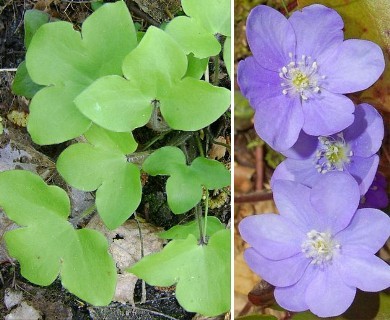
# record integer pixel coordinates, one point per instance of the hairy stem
(206, 210)
(199, 144)
(198, 215)
(138, 158)
(216, 70)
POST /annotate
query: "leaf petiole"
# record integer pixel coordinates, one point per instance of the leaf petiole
(206, 210)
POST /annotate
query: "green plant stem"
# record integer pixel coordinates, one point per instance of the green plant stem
(199, 143)
(206, 211)
(141, 239)
(222, 144)
(154, 140)
(216, 70)
(198, 215)
(138, 157)
(88, 211)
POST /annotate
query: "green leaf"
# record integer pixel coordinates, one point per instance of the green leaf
(22, 84)
(128, 107)
(201, 273)
(53, 117)
(214, 174)
(193, 104)
(196, 67)
(74, 59)
(101, 164)
(213, 15)
(182, 231)
(196, 33)
(156, 63)
(47, 245)
(184, 186)
(172, 157)
(33, 20)
(184, 190)
(227, 55)
(96, 4)
(155, 70)
(193, 37)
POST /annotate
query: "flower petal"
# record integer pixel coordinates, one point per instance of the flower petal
(293, 202)
(366, 272)
(257, 83)
(317, 30)
(335, 197)
(278, 121)
(304, 148)
(272, 235)
(354, 66)
(293, 297)
(365, 135)
(327, 295)
(376, 197)
(280, 273)
(302, 171)
(368, 231)
(363, 170)
(327, 114)
(270, 37)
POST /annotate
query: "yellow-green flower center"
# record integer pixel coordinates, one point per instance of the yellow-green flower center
(300, 77)
(300, 80)
(319, 247)
(332, 154)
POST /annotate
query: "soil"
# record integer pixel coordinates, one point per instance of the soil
(54, 302)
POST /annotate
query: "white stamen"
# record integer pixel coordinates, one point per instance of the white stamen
(320, 247)
(332, 154)
(301, 77)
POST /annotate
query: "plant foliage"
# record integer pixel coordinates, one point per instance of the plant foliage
(47, 245)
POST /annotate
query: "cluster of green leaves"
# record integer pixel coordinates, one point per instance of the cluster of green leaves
(101, 83)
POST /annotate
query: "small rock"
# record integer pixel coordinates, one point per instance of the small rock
(125, 288)
(24, 311)
(12, 298)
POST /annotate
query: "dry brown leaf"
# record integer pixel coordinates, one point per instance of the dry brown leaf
(242, 178)
(217, 151)
(125, 248)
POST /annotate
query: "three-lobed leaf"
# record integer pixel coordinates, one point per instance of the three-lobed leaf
(102, 165)
(213, 15)
(154, 74)
(201, 272)
(72, 61)
(196, 33)
(185, 184)
(47, 245)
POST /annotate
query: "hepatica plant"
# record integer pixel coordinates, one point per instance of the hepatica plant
(322, 245)
(98, 85)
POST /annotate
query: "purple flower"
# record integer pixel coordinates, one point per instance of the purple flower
(376, 196)
(352, 150)
(320, 248)
(300, 69)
